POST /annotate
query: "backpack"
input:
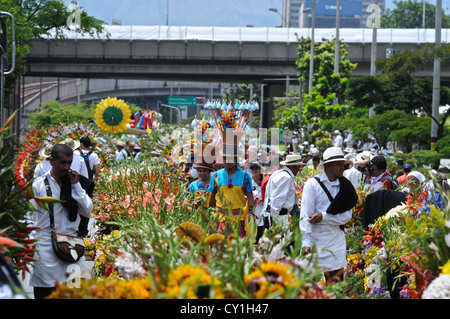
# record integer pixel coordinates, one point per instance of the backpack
(394, 182)
(88, 166)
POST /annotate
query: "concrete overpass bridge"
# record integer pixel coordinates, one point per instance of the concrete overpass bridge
(245, 55)
(210, 54)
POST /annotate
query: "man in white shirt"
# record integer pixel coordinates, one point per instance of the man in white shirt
(121, 152)
(94, 161)
(49, 268)
(281, 197)
(320, 225)
(349, 139)
(337, 139)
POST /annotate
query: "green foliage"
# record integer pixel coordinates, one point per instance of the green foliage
(408, 15)
(443, 146)
(323, 61)
(14, 204)
(36, 18)
(420, 158)
(53, 114)
(403, 128)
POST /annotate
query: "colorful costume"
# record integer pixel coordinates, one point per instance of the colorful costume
(230, 196)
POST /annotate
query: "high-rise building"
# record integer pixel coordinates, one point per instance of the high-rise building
(353, 13)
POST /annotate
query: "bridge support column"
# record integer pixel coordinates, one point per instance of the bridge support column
(271, 90)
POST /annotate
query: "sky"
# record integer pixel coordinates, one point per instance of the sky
(231, 13)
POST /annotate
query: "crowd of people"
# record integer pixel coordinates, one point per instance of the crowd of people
(266, 192)
(240, 191)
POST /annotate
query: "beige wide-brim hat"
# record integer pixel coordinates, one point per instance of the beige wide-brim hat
(73, 144)
(332, 154)
(292, 159)
(365, 155)
(46, 152)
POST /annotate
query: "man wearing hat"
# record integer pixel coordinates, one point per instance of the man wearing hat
(200, 185)
(354, 175)
(327, 202)
(281, 198)
(78, 164)
(43, 167)
(121, 152)
(231, 191)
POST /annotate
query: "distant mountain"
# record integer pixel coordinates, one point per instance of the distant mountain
(225, 13)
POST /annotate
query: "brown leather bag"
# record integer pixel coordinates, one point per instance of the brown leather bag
(67, 248)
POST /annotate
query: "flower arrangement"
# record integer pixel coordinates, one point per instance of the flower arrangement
(228, 116)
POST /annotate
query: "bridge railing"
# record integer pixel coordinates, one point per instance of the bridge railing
(213, 34)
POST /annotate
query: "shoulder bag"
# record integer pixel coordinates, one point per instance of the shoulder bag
(67, 248)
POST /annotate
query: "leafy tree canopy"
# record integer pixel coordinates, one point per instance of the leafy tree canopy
(37, 18)
(409, 15)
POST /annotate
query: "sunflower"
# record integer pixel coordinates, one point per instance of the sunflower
(215, 239)
(191, 230)
(112, 115)
(270, 278)
(192, 282)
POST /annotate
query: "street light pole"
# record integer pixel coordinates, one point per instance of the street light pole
(373, 21)
(336, 44)
(167, 13)
(436, 78)
(284, 23)
(336, 47)
(311, 59)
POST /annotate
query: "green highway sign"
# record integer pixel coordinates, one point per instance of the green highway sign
(182, 100)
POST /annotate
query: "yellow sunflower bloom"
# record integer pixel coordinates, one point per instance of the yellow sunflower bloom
(112, 115)
(191, 230)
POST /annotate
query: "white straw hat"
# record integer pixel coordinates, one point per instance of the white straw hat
(73, 144)
(46, 152)
(292, 159)
(365, 155)
(332, 154)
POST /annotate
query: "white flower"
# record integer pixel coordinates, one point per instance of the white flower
(129, 266)
(447, 223)
(277, 252)
(439, 288)
(447, 239)
(396, 211)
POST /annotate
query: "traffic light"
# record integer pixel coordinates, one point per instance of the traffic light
(159, 106)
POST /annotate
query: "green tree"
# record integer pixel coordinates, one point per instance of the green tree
(401, 127)
(327, 86)
(323, 63)
(408, 15)
(54, 114)
(38, 18)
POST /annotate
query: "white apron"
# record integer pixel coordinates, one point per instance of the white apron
(330, 240)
